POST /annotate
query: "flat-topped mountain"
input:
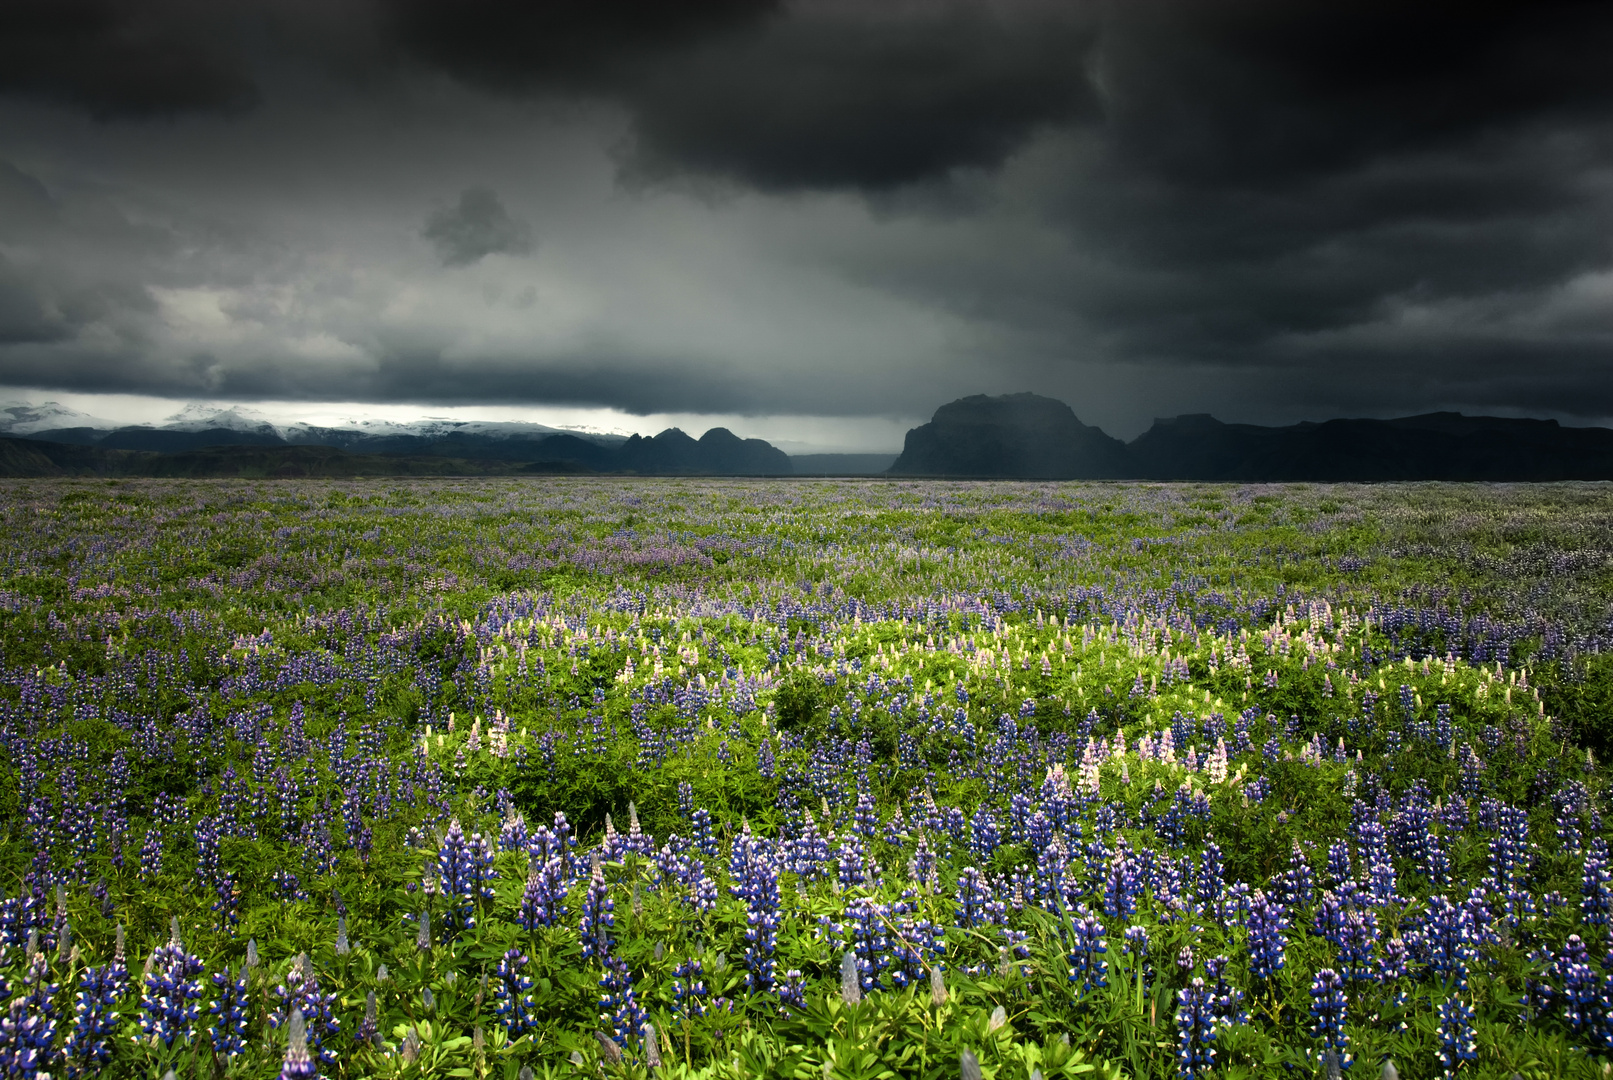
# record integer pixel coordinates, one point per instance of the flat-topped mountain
(1015, 435)
(1032, 437)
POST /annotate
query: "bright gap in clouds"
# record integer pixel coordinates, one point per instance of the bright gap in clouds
(792, 434)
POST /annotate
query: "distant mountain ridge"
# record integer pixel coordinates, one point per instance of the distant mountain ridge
(502, 446)
(672, 453)
(1026, 436)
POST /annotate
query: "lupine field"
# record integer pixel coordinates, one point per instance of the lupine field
(583, 777)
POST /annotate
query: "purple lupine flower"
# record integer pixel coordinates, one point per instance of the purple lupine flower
(170, 992)
(1449, 941)
(598, 914)
(95, 1019)
(618, 1005)
(975, 906)
(230, 1012)
(298, 993)
(865, 818)
(1329, 922)
(1328, 1014)
(28, 1028)
(514, 1006)
(1358, 944)
(1596, 886)
(1195, 1031)
(1087, 947)
(1456, 1041)
(151, 855)
(866, 926)
(1121, 883)
(1136, 945)
(512, 834)
(298, 1063)
(1296, 886)
(760, 892)
(1511, 852)
(984, 835)
(464, 874)
(1267, 944)
(689, 989)
(545, 892)
(792, 991)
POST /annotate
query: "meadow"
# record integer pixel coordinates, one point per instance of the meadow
(579, 777)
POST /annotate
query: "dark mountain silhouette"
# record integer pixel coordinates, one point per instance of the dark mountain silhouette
(1021, 435)
(230, 452)
(1434, 446)
(169, 441)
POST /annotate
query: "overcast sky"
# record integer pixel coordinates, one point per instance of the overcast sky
(803, 214)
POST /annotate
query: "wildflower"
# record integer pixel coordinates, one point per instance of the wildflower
(514, 1006)
(1328, 1013)
(230, 1012)
(1266, 940)
(298, 1063)
(1086, 968)
(1456, 1041)
(1195, 1032)
(598, 914)
(1596, 886)
(170, 992)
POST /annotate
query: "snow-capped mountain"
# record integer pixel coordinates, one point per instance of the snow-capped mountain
(199, 417)
(22, 418)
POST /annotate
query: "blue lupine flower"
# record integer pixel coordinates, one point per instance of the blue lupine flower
(792, 991)
(598, 914)
(170, 994)
(975, 905)
(1087, 969)
(544, 894)
(230, 1012)
(1121, 883)
(1296, 886)
(513, 1002)
(689, 989)
(1266, 941)
(95, 1018)
(1358, 944)
(464, 874)
(28, 1028)
(759, 889)
(1195, 1032)
(1596, 886)
(298, 992)
(865, 925)
(917, 946)
(618, 1005)
(865, 818)
(1456, 1041)
(1448, 940)
(1328, 1014)
(298, 1063)
(1330, 919)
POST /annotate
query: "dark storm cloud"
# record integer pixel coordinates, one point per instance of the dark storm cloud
(863, 96)
(119, 59)
(1289, 208)
(476, 227)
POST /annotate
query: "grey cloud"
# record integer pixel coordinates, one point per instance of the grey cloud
(1259, 208)
(476, 227)
(125, 60)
